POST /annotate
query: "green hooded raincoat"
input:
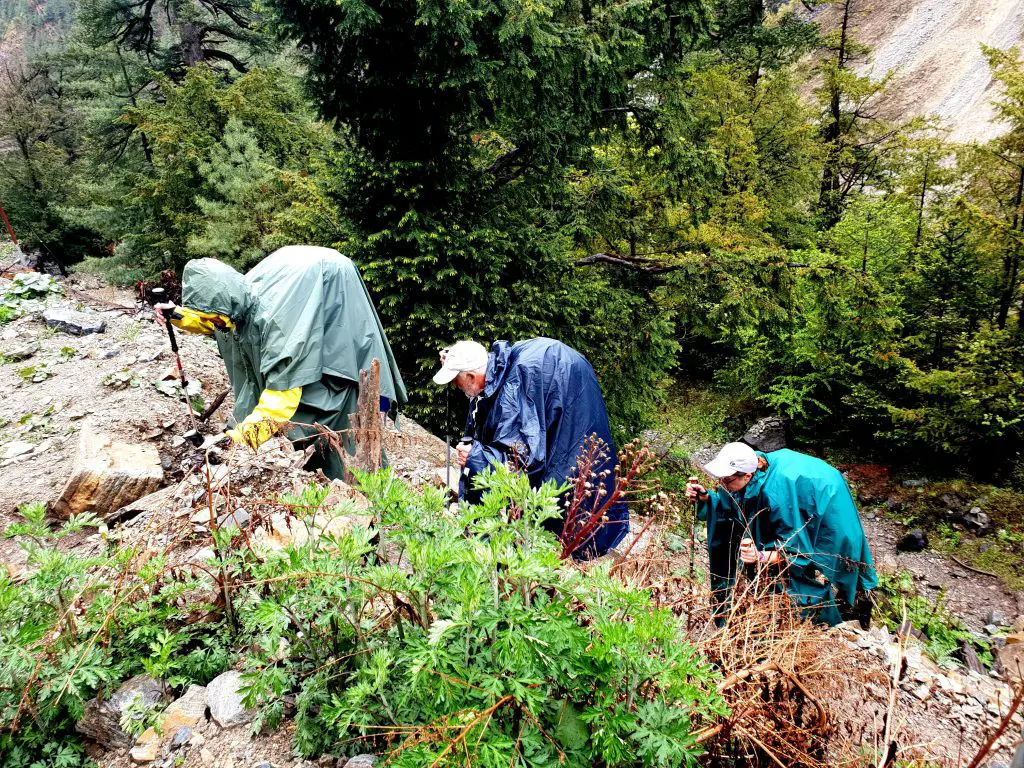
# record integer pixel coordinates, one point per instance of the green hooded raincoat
(303, 318)
(803, 507)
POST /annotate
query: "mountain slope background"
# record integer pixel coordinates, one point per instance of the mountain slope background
(932, 48)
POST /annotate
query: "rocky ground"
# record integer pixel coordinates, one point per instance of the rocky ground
(107, 383)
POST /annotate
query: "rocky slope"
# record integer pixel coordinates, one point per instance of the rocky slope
(933, 50)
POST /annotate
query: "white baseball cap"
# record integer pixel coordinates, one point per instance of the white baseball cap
(461, 356)
(733, 458)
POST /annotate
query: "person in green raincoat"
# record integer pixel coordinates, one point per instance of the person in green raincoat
(788, 514)
(294, 332)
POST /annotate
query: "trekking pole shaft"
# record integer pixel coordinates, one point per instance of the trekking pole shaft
(168, 314)
(693, 545)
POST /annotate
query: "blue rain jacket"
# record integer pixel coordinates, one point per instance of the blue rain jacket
(803, 507)
(542, 401)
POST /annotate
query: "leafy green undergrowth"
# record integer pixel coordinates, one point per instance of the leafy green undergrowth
(444, 638)
(943, 632)
(696, 416)
(79, 625)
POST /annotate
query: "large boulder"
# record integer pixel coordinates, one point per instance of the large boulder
(102, 719)
(767, 435)
(108, 475)
(75, 323)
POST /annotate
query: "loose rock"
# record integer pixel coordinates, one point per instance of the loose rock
(362, 761)
(976, 521)
(75, 323)
(146, 748)
(181, 737)
(915, 541)
(108, 475)
(22, 352)
(225, 700)
(768, 434)
(102, 719)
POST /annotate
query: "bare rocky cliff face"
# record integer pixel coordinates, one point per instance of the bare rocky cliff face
(933, 50)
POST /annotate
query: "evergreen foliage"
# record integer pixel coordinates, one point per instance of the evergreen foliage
(679, 189)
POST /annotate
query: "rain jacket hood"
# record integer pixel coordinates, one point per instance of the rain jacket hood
(209, 285)
(542, 401)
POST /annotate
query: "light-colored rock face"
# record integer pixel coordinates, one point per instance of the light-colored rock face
(1011, 657)
(225, 701)
(933, 47)
(108, 475)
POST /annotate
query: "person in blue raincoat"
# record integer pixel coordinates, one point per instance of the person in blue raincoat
(534, 403)
(788, 514)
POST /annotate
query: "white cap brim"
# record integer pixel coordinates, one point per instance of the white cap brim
(445, 376)
(719, 467)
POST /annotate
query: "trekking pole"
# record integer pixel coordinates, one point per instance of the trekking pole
(192, 435)
(448, 444)
(693, 545)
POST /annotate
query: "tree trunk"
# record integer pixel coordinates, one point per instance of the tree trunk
(1011, 261)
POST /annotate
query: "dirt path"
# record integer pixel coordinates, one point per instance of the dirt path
(969, 596)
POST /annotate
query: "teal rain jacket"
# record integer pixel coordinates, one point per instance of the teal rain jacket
(803, 507)
(303, 318)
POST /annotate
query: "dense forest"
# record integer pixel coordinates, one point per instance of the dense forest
(683, 190)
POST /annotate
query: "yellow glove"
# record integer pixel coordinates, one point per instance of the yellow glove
(275, 407)
(194, 321)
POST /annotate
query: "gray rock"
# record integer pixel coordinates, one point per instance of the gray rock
(985, 547)
(22, 352)
(1018, 758)
(976, 521)
(102, 719)
(952, 501)
(916, 482)
(238, 518)
(995, 617)
(768, 434)
(362, 761)
(327, 761)
(915, 541)
(75, 323)
(181, 737)
(225, 701)
(191, 705)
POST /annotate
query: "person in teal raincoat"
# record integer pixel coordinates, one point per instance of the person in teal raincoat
(294, 332)
(790, 514)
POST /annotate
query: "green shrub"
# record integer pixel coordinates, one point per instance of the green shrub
(943, 632)
(481, 648)
(77, 625)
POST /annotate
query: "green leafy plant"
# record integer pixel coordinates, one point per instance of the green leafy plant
(35, 374)
(460, 637)
(32, 285)
(60, 646)
(68, 353)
